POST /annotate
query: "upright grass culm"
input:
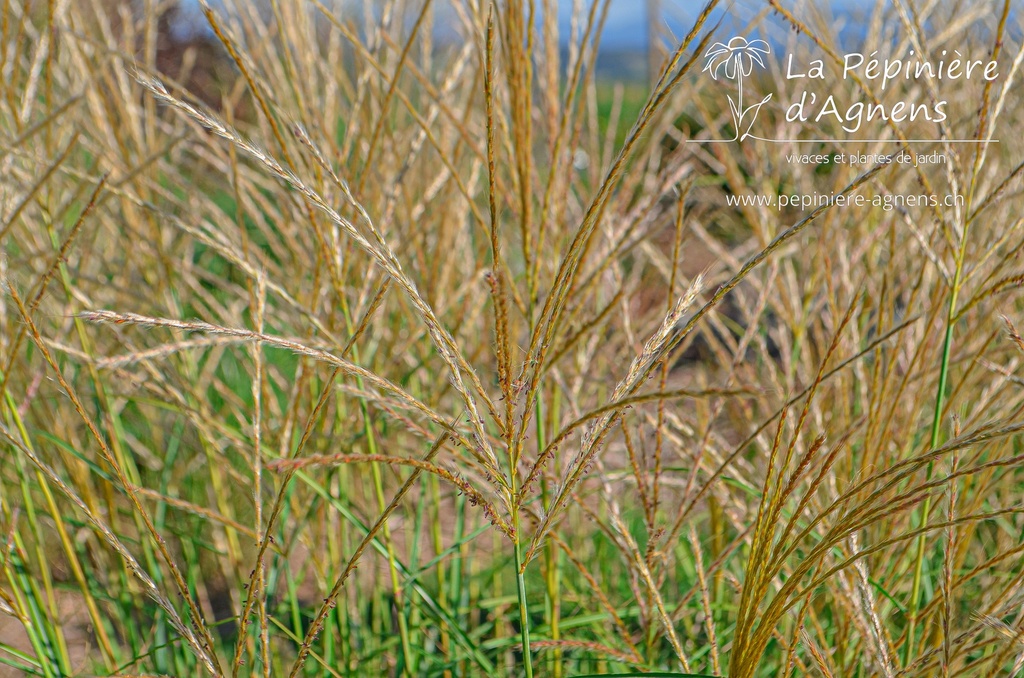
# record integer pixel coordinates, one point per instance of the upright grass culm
(410, 338)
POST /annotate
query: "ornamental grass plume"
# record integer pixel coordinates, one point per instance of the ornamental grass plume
(408, 338)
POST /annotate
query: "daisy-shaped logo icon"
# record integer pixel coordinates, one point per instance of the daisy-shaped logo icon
(736, 59)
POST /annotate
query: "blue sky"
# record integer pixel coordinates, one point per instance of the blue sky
(626, 25)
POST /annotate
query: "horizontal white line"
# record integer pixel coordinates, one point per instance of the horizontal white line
(849, 141)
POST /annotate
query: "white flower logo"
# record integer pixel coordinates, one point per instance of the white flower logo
(737, 58)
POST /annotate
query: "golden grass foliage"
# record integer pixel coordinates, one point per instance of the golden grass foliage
(330, 347)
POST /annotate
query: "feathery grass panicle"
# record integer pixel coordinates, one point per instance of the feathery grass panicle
(405, 338)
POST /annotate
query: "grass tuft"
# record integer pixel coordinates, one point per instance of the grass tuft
(333, 344)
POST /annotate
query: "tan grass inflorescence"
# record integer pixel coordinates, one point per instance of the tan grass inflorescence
(333, 344)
